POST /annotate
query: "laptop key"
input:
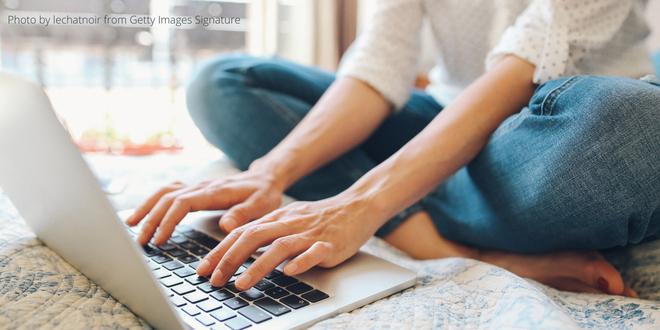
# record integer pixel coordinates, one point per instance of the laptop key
(264, 285)
(195, 280)
(209, 305)
(178, 301)
(207, 287)
(183, 229)
(152, 265)
(277, 293)
(207, 242)
(315, 296)
(251, 294)
(150, 251)
(240, 270)
(161, 273)
(196, 297)
(294, 302)
(284, 280)
(223, 314)
(183, 272)
(232, 287)
(167, 246)
(272, 306)
(191, 310)
(199, 251)
(275, 273)
(299, 288)
(172, 265)
(183, 288)
(206, 320)
(193, 234)
(188, 259)
(178, 239)
(188, 245)
(161, 259)
(171, 281)
(195, 264)
(238, 323)
(222, 295)
(177, 253)
(236, 303)
(254, 314)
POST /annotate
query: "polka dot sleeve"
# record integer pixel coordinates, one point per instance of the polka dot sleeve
(385, 53)
(557, 35)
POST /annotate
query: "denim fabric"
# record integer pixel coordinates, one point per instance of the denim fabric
(578, 168)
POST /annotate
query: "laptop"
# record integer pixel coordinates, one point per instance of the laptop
(49, 182)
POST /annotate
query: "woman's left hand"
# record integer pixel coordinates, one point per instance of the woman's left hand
(322, 233)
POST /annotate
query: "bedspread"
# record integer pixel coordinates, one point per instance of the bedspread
(38, 289)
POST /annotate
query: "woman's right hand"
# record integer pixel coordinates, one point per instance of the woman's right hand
(247, 196)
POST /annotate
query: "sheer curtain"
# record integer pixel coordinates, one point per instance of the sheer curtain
(312, 32)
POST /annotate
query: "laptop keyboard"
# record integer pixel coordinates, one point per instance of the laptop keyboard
(174, 265)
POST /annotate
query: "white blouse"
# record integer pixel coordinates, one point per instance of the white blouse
(560, 37)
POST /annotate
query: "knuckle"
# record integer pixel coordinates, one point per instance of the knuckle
(252, 233)
(284, 243)
(235, 234)
(258, 267)
(182, 200)
(241, 212)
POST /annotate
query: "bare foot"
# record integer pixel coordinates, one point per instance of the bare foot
(576, 271)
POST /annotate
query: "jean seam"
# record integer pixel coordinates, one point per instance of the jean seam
(552, 96)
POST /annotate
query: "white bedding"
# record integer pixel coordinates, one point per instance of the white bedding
(40, 290)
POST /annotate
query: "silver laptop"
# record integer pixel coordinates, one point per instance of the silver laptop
(46, 178)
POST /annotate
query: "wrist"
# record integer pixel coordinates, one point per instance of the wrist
(277, 169)
(375, 201)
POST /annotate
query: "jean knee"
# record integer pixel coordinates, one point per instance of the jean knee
(210, 78)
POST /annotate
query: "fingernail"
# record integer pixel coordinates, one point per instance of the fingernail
(243, 281)
(216, 277)
(603, 284)
(203, 267)
(230, 224)
(290, 268)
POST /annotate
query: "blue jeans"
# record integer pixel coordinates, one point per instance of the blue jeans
(579, 168)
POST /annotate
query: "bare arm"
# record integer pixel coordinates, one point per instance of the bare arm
(328, 232)
(344, 117)
(451, 140)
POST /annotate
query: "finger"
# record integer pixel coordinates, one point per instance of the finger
(254, 207)
(280, 250)
(630, 293)
(230, 258)
(211, 260)
(313, 256)
(182, 204)
(158, 212)
(142, 210)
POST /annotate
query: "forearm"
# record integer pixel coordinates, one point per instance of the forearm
(343, 118)
(449, 142)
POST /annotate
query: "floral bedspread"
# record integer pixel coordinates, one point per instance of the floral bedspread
(38, 289)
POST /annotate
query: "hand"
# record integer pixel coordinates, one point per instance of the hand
(247, 196)
(323, 233)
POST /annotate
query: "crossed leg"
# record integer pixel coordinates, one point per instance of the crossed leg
(577, 271)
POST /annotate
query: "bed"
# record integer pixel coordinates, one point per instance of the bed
(38, 289)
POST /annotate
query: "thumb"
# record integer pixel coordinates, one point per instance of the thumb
(254, 207)
(235, 217)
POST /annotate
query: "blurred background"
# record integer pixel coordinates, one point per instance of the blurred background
(120, 88)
